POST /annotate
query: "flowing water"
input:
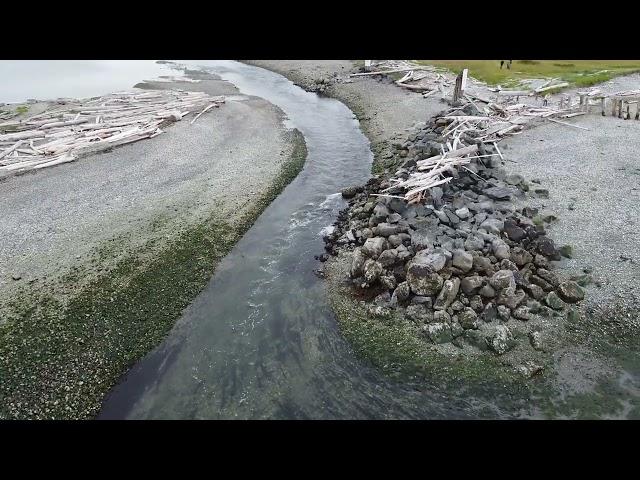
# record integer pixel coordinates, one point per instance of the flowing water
(261, 341)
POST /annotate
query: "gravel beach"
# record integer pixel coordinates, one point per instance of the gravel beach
(99, 257)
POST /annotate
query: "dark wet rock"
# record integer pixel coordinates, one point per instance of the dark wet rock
(570, 291)
(542, 192)
(547, 248)
(498, 193)
(351, 192)
(513, 231)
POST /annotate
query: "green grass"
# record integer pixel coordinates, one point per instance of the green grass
(577, 72)
(22, 109)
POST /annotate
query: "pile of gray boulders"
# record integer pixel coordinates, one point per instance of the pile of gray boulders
(464, 264)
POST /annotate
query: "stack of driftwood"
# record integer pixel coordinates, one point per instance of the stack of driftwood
(79, 127)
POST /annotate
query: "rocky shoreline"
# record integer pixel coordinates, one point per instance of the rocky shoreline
(467, 266)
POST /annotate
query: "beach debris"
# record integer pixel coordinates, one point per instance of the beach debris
(80, 127)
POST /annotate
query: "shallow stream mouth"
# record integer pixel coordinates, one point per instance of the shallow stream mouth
(261, 340)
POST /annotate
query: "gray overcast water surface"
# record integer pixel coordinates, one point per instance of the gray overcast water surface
(21, 80)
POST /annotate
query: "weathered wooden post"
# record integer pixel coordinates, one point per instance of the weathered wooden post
(367, 65)
(461, 83)
(604, 102)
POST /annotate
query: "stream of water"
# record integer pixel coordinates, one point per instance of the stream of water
(261, 341)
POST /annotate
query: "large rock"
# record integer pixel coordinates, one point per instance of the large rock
(502, 340)
(387, 229)
(481, 264)
(447, 294)
(439, 332)
(513, 231)
(388, 257)
(554, 301)
(423, 280)
(373, 247)
(470, 285)
(402, 292)
(570, 292)
(547, 248)
(498, 193)
(492, 225)
(462, 260)
(548, 277)
(520, 256)
(436, 260)
(468, 319)
(511, 300)
(372, 271)
(357, 263)
(502, 279)
(500, 249)
(473, 243)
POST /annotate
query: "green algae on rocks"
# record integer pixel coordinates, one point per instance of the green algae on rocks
(58, 358)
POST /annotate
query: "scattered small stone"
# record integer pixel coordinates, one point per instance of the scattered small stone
(566, 251)
(570, 292)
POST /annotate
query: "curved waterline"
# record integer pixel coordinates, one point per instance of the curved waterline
(261, 340)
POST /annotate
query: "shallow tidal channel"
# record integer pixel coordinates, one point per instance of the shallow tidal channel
(261, 340)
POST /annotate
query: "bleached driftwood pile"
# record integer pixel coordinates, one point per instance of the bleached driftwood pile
(79, 127)
(462, 129)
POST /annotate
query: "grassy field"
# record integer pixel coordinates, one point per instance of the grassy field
(577, 72)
